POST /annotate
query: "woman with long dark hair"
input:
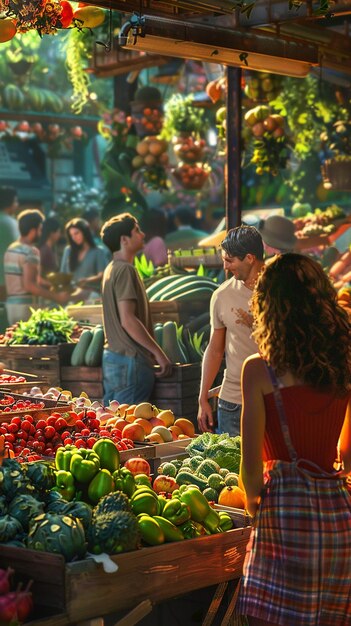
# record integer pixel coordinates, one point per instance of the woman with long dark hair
(296, 450)
(82, 257)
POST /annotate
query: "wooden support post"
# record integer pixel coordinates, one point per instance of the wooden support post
(233, 165)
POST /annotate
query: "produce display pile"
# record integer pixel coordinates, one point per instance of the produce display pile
(318, 222)
(44, 327)
(85, 500)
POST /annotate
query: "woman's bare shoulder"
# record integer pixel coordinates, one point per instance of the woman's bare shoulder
(255, 368)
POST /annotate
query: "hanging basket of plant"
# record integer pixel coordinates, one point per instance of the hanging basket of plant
(336, 173)
(191, 176)
(262, 86)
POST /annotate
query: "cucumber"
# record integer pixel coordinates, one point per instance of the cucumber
(81, 347)
(158, 333)
(181, 287)
(170, 343)
(198, 322)
(187, 478)
(93, 356)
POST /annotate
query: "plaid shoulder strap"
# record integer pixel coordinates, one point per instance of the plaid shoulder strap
(281, 412)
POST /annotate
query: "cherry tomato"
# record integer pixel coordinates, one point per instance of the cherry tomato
(49, 432)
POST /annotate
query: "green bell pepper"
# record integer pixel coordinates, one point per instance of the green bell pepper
(108, 454)
(65, 485)
(100, 486)
(124, 481)
(176, 511)
(145, 502)
(189, 530)
(150, 530)
(212, 522)
(196, 501)
(162, 501)
(225, 521)
(84, 465)
(171, 532)
(63, 457)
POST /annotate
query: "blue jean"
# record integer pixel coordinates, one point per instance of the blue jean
(228, 417)
(126, 379)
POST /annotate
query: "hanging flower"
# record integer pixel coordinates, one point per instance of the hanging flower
(41, 15)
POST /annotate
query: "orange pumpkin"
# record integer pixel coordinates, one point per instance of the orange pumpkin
(214, 90)
(232, 496)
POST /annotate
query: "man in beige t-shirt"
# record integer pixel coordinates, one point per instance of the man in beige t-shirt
(242, 253)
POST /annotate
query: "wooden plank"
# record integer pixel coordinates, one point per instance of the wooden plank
(61, 351)
(158, 573)
(184, 389)
(185, 372)
(46, 570)
(85, 374)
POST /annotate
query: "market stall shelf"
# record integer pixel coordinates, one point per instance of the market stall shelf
(78, 379)
(43, 361)
(158, 573)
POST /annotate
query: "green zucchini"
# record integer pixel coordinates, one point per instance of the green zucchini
(158, 333)
(170, 343)
(93, 356)
(81, 347)
(187, 478)
(198, 322)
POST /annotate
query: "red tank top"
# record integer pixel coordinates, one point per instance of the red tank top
(315, 420)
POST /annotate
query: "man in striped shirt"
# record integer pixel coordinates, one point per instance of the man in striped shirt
(22, 270)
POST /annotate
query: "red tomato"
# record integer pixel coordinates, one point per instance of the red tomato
(138, 466)
(41, 424)
(49, 432)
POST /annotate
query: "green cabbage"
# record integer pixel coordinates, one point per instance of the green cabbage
(223, 449)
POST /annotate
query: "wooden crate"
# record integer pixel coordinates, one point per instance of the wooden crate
(44, 361)
(179, 392)
(37, 414)
(82, 590)
(179, 312)
(78, 379)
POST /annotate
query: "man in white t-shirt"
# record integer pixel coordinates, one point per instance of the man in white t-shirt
(242, 253)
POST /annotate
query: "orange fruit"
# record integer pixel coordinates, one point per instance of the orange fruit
(155, 421)
(145, 424)
(7, 30)
(186, 426)
(120, 423)
(232, 496)
(135, 432)
(175, 430)
(154, 438)
(129, 417)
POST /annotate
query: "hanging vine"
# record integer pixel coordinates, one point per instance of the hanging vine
(77, 52)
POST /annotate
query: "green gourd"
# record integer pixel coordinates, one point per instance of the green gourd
(93, 355)
(81, 347)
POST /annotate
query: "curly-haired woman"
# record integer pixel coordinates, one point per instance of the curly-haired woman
(296, 433)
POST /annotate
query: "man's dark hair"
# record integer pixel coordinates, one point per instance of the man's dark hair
(185, 216)
(7, 197)
(50, 225)
(28, 219)
(91, 214)
(115, 228)
(243, 240)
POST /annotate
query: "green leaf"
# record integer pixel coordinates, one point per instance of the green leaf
(200, 270)
(302, 119)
